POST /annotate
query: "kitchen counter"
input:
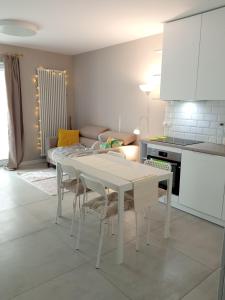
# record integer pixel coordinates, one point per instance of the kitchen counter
(208, 148)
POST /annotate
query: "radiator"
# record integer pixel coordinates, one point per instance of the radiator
(52, 105)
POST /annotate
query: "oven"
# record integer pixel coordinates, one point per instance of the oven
(174, 159)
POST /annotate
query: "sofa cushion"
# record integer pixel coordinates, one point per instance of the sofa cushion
(87, 142)
(91, 131)
(126, 138)
(67, 137)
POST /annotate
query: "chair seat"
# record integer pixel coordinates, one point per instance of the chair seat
(71, 185)
(161, 192)
(66, 183)
(97, 204)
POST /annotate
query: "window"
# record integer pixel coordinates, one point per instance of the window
(4, 148)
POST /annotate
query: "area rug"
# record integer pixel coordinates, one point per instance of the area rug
(44, 180)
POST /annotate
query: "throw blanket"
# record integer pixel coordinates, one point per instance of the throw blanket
(71, 151)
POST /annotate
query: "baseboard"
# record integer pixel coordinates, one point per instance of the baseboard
(196, 213)
(175, 203)
(33, 162)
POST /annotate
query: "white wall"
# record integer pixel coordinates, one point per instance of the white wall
(106, 85)
(29, 62)
(196, 120)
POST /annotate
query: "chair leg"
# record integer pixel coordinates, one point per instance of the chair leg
(148, 226)
(59, 207)
(77, 246)
(85, 195)
(100, 245)
(74, 215)
(137, 231)
(168, 209)
(62, 193)
(112, 226)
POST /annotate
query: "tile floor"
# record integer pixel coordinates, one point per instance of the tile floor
(37, 260)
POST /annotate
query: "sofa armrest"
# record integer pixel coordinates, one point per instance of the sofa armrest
(51, 142)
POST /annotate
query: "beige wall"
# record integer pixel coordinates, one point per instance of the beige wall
(106, 85)
(30, 60)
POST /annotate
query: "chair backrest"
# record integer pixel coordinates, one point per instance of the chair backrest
(93, 184)
(68, 170)
(158, 164)
(117, 154)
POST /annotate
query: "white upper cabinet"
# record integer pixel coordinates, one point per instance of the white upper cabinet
(180, 59)
(193, 65)
(211, 71)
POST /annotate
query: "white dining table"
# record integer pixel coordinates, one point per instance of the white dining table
(120, 185)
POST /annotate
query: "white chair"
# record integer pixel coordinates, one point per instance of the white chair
(67, 179)
(120, 155)
(161, 192)
(160, 165)
(105, 205)
(146, 209)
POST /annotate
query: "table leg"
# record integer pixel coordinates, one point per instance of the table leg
(120, 241)
(59, 192)
(168, 206)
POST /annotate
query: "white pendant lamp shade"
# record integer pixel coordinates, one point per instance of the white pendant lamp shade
(17, 28)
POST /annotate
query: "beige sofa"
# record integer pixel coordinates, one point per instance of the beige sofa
(90, 137)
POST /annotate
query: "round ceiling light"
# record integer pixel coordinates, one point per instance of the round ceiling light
(17, 28)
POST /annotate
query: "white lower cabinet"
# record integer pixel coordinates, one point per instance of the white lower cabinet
(202, 183)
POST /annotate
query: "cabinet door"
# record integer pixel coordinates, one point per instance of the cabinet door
(180, 59)
(211, 73)
(202, 182)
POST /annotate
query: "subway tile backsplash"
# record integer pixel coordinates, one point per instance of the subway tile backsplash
(203, 120)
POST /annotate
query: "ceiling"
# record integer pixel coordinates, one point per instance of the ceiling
(76, 26)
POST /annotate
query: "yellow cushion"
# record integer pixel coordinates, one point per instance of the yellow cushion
(67, 137)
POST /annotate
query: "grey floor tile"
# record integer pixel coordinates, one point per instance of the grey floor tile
(84, 283)
(207, 290)
(17, 190)
(33, 260)
(198, 239)
(154, 273)
(90, 233)
(17, 222)
(5, 201)
(46, 210)
(37, 260)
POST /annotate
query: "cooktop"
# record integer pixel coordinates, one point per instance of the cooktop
(176, 141)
